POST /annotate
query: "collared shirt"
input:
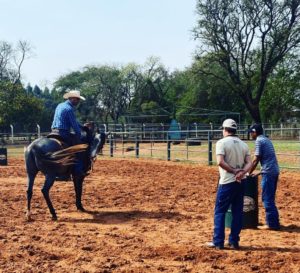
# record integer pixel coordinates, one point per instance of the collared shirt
(235, 152)
(266, 152)
(65, 119)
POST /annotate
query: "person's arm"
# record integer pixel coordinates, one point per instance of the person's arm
(224, 165)
(254, 163)
(74, 123)
(248, 166)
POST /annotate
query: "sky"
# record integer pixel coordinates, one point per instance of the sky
(67, 35)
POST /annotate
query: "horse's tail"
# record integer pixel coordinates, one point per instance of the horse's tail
(64, 157)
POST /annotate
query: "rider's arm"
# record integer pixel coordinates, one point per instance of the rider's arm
(74, 124)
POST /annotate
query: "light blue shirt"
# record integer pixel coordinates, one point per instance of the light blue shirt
(65, 119)
(266, 152)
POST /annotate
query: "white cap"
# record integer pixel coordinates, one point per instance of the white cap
(229, 123)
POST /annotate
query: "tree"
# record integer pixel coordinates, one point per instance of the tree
(11, 60)
(248, 39)
(204, 98)
(150, 95)
(17, 107)
(282, 91)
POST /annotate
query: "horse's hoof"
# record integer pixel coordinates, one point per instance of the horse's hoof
(28, 216)
(81, 208)
(54, 218)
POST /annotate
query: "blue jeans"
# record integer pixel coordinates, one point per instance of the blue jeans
(269, 186)
(228, 194)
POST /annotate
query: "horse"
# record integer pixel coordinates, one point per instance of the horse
(54, 159)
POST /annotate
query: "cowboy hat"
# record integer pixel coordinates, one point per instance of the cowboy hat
(73, 94)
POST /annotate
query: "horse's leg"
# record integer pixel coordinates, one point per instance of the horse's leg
(78, 182)
(30, 182)
(45, 190)
(32, 171)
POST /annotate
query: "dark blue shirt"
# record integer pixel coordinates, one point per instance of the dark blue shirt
(65, 119)
(266, 152)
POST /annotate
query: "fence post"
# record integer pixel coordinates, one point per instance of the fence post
(144, 133)
(111, 146)
(209, 149)
(12, 133)
(137, 146)
(196, 126)
(212, 129)
(151, 143)
(168, 148)
(38, 130)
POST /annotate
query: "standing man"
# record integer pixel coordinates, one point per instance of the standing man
(234, 161)
(265, 154)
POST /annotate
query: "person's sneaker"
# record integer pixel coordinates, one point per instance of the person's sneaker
(234, 246)
(212, 245)
(266, 227)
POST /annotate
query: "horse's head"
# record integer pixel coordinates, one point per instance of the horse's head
(97, 144)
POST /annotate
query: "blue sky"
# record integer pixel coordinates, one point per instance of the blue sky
(67, 35)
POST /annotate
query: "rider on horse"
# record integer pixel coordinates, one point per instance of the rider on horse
(65, 120)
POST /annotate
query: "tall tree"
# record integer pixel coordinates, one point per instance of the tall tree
(248, 39)
(282, 91)
(12, 59)
(150, 98)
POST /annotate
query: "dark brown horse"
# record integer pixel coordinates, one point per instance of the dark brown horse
(48, 155)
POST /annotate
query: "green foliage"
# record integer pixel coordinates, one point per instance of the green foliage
(248, 39)
(17, 107)
(282, 91)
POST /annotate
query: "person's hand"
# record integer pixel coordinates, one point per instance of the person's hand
(88, 125)
(254, 174)
(239, 175)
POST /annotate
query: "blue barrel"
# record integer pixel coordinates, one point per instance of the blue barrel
(250, 209)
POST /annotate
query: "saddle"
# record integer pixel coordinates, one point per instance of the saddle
(57, 137)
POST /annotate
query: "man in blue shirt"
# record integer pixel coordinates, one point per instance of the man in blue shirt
(265, 154)
(65, 119)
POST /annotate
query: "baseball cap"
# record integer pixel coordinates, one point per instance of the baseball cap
(229, 123)
(256, 128)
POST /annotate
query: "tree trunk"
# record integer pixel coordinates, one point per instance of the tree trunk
(253, 109)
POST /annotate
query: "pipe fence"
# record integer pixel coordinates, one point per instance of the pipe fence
(199, 149)
(192, 143)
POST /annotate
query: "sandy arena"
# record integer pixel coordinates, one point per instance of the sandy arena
(143, 216)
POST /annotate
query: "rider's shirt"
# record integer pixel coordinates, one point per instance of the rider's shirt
(65, 119)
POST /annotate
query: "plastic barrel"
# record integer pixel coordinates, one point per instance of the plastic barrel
(250, 209)
(3, 156)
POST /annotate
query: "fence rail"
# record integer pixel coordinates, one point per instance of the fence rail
(200, 149)
(196, 144)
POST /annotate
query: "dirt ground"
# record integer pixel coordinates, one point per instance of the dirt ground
(143, 216)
